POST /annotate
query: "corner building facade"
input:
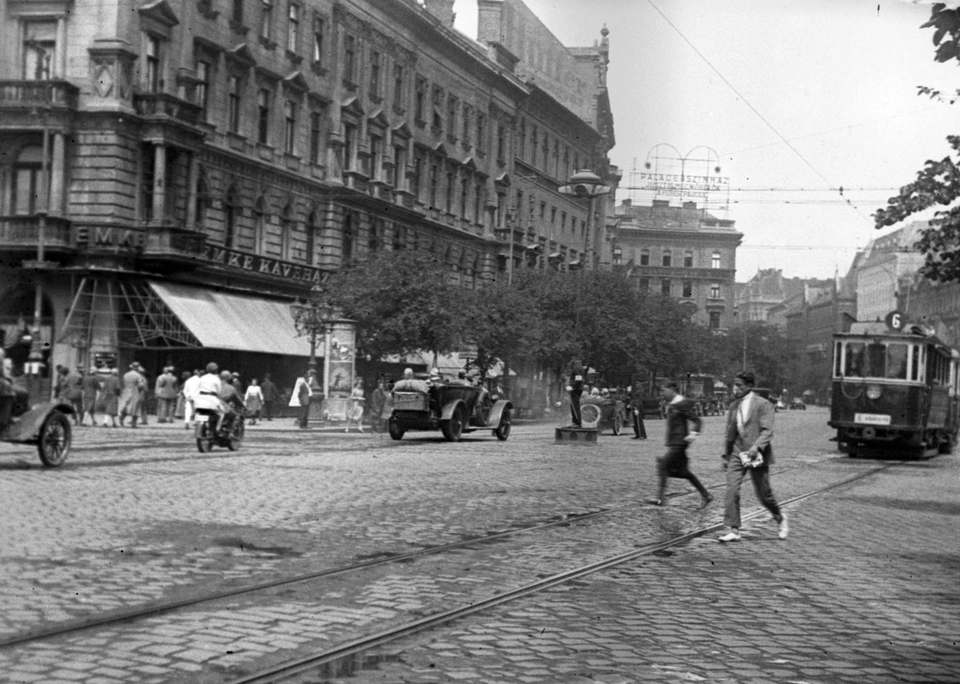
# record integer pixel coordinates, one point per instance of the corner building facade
(173, 173)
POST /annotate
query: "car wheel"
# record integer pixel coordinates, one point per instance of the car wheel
(452, 429)
(503, 429)
(617, 423)
(55, 438)
(237, 436)
(395, 428)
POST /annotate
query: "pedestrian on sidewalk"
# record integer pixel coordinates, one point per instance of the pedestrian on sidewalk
(190, 389)
(134, 385)
(270, 394)
(355, 410)
(748, 450)
(300, 397)
(73, 393)
(166, 392)
(108, 402)
(681, 413)
(253, 399)
(91, 388)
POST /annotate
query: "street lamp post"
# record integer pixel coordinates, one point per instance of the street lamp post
(313, 317)
(585, 183)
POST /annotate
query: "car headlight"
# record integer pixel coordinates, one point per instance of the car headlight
(873, 391)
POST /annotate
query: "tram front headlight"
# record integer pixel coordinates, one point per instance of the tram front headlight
(873, 391)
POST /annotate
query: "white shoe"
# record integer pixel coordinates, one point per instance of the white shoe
(784, 526)
(731, 536)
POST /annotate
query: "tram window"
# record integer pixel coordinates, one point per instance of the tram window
(876, 358)
(914, 362)
(897, 361)
(854, 358)
(838, 359)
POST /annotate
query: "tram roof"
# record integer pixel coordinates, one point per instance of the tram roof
(912, 332)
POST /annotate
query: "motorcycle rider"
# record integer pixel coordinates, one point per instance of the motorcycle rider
(207, 396)
(230, 404)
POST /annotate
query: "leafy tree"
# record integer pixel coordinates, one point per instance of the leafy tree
(503, 323)
(938, 183)
(402, 302)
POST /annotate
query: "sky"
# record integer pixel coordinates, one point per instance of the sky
(794, 100)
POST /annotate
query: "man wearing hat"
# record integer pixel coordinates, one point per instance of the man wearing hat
(300, 397)
(166, 393)
(91, 388)
(131, 395)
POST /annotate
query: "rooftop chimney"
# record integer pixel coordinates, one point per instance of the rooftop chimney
(442, 10)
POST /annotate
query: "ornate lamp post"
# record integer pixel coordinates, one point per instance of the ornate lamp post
(585, 183)
(313, 317)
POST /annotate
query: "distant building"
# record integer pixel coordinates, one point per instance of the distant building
(886, 270)
(683, 252)
(767, 295)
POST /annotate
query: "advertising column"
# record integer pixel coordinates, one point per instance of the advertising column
(338, 368)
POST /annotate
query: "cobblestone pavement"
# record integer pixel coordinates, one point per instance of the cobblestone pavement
(135, 518)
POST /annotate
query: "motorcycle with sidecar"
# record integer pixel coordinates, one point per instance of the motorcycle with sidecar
(44, 424)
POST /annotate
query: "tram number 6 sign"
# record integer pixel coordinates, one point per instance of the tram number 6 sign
(894, 320)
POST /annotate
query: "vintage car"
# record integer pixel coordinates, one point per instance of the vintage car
(451, 408)
(604, 413)
(44, 424)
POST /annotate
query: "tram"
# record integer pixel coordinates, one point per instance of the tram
(894, 391)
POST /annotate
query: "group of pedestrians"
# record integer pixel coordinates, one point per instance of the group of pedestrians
(747, 450)
(121, 401)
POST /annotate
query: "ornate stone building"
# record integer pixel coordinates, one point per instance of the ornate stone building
(683, 252)
(173, 173)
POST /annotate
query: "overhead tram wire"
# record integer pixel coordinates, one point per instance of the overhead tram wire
(830, 186)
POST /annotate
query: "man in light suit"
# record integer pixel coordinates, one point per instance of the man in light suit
(748, 450)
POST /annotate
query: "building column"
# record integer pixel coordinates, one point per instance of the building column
(192, 179)
(159, 182)
(57, 171)
(60, 70)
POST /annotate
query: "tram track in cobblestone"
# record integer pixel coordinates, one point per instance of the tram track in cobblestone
(350, 656)
(370, 561)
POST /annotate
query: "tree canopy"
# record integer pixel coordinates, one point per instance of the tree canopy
(938, 183)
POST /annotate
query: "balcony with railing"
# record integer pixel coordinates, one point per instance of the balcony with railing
(22, 233)
(163, 106)
(20, 95)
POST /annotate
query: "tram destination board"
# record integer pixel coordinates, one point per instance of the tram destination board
(871, 419)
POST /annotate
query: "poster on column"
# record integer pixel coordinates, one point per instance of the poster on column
(340, 355)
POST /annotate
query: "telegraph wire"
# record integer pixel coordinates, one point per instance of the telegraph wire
(757, 112)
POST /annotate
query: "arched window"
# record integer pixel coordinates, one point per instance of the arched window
(310, 249)
(287, 224)
(231, 211)
(259, 225)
